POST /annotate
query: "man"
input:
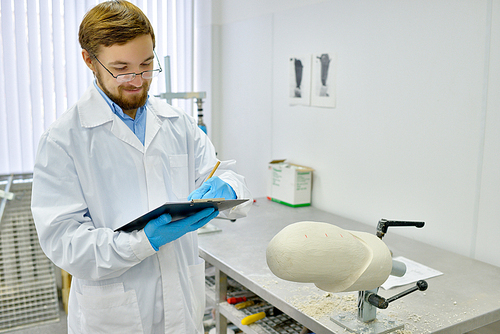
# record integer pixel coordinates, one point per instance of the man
(113, 156)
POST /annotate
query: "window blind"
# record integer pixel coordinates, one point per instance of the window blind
(42, 73)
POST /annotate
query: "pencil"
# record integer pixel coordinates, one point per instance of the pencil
(213, 170)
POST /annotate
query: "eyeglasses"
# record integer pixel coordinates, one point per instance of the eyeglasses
(126, 77)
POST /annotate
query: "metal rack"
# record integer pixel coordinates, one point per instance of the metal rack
(28, 292)
(169, 95)
(280, 324)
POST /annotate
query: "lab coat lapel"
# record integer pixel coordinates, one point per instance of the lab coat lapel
(123, 132)
(158, 111)
(153, 125)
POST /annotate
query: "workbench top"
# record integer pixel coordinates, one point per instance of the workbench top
(465, 297)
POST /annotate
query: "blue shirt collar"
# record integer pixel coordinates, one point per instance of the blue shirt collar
(137, 124)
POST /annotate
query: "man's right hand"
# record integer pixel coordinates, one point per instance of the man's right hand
(163, 230)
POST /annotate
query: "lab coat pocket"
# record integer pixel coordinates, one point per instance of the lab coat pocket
(179, 175)
(197, 276)
(108, 309)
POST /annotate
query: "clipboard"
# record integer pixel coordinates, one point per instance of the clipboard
(179, 210)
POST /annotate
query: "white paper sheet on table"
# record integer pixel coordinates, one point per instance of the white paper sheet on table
(414, 272)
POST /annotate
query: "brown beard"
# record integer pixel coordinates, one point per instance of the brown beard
(126, 104)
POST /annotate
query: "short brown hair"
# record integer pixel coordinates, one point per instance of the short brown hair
(113, 22)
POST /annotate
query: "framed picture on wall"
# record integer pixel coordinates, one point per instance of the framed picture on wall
(323, 80)
(299, 91)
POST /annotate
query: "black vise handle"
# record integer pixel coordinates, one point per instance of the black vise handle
(382, 303)
(384, 224)
(377, 301)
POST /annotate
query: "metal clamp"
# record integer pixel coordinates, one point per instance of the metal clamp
(382, 303)
(384, 224)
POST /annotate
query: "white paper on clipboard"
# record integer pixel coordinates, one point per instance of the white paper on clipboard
(179, 210)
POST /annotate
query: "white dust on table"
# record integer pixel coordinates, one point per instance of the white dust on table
(327, 304)
(324, 305)
(320, 305)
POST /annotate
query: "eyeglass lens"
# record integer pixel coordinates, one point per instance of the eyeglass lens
(131, 76)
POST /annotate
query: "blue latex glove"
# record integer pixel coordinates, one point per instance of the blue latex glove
(163, 230)
(213, 188)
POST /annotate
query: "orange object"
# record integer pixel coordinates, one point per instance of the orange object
(236, 300)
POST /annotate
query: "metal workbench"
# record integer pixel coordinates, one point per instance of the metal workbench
(464, 298)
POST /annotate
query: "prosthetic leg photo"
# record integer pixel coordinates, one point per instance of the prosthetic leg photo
(298, 77)
(325, 64)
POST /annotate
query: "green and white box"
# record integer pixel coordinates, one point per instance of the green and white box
(289, 184)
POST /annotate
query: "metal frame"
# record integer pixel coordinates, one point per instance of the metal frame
(28, 291)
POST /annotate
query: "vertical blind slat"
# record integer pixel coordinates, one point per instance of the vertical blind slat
(71, 61)
(160, 35)
(4, 148)
(171, 8)
(81, 79)
(184, 28)
(23, 83)
(35, 54)
(59, 63)
(12, 107)
(47, 54)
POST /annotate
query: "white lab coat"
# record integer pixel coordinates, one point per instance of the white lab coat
(93, 175)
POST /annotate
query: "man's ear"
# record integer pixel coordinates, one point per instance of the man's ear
(87, 58)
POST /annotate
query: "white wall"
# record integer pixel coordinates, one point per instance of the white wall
(242, 110)
(414, 134)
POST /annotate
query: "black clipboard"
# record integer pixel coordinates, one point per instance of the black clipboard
(179, 210)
